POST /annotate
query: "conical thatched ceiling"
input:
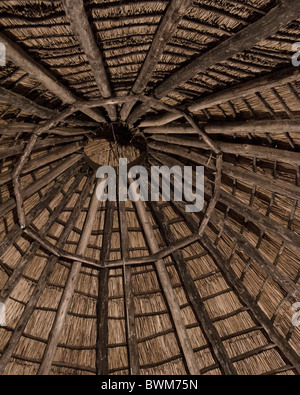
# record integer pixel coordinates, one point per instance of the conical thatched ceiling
(129, 288)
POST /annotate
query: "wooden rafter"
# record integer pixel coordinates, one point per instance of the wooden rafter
(58, 324)
(172, 17)
(39, 289)
(260, 84)
(21, 59)
(230, 128)
(13, 129)
(245, 211)
(54, 156)
(16, 175)
(32, 108)
(76, 14)
(273, 272)
(265, 27)
(197, 304)
(16, 232)
(133, 352)
(40, 145)
(277, 186)
(40, 183)
(25, 104)
(33, 214)
(165, 252)
(102, 305)
(170, 296)
(247, 150)
(244, 294)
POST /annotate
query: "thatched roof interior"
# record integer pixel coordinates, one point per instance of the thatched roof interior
(147, 288)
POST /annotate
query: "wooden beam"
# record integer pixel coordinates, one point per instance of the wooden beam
(202, 134)
(35, 246)
(12, 129)
(170, 21)
(25, 104)
(133, 352)
(16, 175)
(30, 107)
(21, 59)
(254, 151)
(165, 252)
(10, 204)
(215, 196)
(53, 156)
(271, 23)
(102, 305)
(60, 317)
(168, 291)
(245, 211)
(13, 234)
(230, 128)
(243, 293)
(197, 304)
(235, 172)
(76, 14)
(106, 102)
(39, 289)
(292, 289)
(260, 84)
(40, 145)
(62, 254)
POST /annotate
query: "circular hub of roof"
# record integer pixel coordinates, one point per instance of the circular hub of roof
(114, 142)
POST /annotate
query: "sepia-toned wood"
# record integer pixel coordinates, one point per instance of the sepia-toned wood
(25, 104)
(40, 145)
(215, 196)
(247, 38)
(17, 273)
(21, 59)
(244, 210)
(13, 129)
(243, 293)
(261, 84)
(278, 276)
(129, 303)
(194, 297)
(172, 17)
(236, 172)
(39, 289)
(76, 14)
(168, 291)
(102, 305)
(261, 317)
(155, 289)
(40, 183)
(24, 157)
(54, 156)
(66, 298)
(248, 150)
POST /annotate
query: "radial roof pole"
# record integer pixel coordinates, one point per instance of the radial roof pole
(243, 293)
(102, 305)
(21, 59)
(33, 249)
(71, 283)
(129, 302)
(81, 27)
(41, 284)
(198, 305)
(183, 337)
